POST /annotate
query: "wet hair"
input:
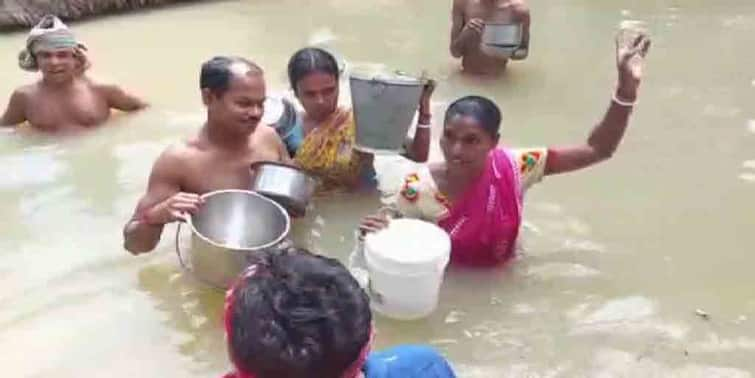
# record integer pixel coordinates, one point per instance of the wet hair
(216, 73)
(309, 60)
(300, 313)
(485, 111)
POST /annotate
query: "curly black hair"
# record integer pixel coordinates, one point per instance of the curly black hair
(300, 315)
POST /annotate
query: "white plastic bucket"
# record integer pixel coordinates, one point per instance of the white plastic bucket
(406, 263)
(384, 106)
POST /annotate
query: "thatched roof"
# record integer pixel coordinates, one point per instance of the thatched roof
(25, 13)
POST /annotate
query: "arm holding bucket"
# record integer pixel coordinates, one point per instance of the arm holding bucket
(463, 34)
(418, 148)
(376, 222)
(163, 203)
(522, 13)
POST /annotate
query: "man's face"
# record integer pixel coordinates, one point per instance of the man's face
(239, 109)
(57, 65)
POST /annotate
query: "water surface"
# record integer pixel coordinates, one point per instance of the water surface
(617, 258)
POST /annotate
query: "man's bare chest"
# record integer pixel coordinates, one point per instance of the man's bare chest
(209, 172)
(83, 108)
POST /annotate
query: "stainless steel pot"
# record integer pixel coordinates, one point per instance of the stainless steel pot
(227, 231)
(501, 39)
(289, 186)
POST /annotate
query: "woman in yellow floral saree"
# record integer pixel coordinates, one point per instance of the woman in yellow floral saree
(327, 149)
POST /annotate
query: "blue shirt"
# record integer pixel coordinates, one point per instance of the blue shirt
(407, 361)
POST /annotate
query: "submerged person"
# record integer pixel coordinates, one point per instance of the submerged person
(328, 145)
(294, 314)
(476, 193)
(468, 22)
(65, 99)
(218, 157)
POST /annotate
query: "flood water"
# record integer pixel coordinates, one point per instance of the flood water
(617, 259)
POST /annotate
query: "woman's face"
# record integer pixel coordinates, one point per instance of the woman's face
(318, 94)
(465, 144)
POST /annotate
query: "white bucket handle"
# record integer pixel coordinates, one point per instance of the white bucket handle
(372, 293)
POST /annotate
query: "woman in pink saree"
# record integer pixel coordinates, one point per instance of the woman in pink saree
(484, 222)
(476, 194)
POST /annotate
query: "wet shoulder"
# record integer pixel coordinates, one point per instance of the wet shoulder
(265, 131)
(35, 96)
(28, 92)
(519, 6)
(266, 134)
(102, 88)
(172, 164)
(472, 8)
(460, 4)
(181, 153)
(22, 95)
(266, 143)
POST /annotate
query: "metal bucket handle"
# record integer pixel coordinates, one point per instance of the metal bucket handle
(181, 261)
(377, 88)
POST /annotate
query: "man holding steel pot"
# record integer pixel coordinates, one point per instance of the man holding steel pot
(218, 157)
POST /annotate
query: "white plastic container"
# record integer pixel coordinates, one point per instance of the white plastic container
(406, 263)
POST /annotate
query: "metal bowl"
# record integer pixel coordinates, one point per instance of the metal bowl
(229, 229)
(500, 39)
(502, 34)
(289, 186)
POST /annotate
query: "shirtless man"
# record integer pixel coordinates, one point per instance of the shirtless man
(218, 157)
(64, 100)
(469, 17)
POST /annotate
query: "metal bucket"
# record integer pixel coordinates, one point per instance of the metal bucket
(227, 231)
(501, 39)
(384, 106)
(289, 186)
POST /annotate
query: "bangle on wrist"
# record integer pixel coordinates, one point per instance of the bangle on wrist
(618, 101)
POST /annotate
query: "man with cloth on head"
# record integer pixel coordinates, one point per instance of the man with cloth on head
(64, 100)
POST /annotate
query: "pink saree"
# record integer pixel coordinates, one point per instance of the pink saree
(484, 222)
